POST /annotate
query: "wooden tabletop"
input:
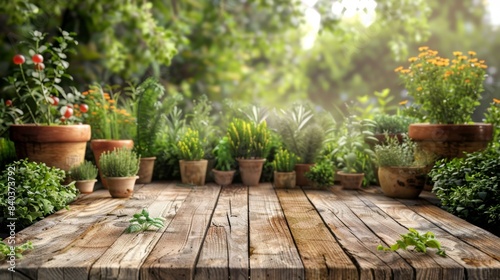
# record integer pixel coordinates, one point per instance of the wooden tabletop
(256, 232)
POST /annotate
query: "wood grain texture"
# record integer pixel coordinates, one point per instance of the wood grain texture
(311, 235)
(176, 253)
(357, 239)
(225, 251)
(273, 254)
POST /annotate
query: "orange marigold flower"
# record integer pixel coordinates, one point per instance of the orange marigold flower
(111, 101)
(412, 59)
(457, 53)
(467, 81)
(423, 48)
(106, 96)
(497, 101)
(398, 69)
(472, 53)
(403, 102)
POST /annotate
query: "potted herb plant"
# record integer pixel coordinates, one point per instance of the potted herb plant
(445, 92)
(402, 172)
(112, 121)
(42, 114)
(223, 170)
(249, 144)
(192, 165)
(391, 125)
(353, 154)
(120, 168)
(301, 135)
(85, 175)
(284, 165)
(321, 174)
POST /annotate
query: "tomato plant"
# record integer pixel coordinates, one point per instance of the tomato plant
(84, 108)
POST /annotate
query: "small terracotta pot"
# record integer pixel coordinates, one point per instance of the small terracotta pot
(351, 181)
(100, 146)
(223, 178)
(402, 182)
(121, 187)
(146, 167)
(250, 170)
(193, 172)
(85, 186)
(300, 170)
(284, 180)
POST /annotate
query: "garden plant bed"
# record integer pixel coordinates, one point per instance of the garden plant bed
(256, 232)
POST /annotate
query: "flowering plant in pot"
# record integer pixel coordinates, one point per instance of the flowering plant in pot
(224, 167)
(445, 93)
(37, 103)
(85, 176)
(120, 168)
(249, 143)
(284, 169)
(191, 152)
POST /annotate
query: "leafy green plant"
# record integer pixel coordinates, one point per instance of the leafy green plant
(322, 173)
(248, 139)
(353, 153)
(7, 152)
(420, 242)
(121, 162)
(18, 250)
(84, 171)
(142, 222)
(224, 161)
(469, 187)
(190, 146)
(406, 154)
(284, 161)
(392, 124)
(38, 191)
(492, 115)
(149, 109)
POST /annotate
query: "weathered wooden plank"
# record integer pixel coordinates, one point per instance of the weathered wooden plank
(389, 230)
(74, 260)
(225, 251)
(176, 253)
(273, 254)
(478, 265)
(357, 239)
(126, 255)
(311, 235)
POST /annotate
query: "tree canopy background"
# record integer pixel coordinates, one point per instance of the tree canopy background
(252, 51)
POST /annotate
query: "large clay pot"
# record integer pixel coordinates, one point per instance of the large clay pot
(146, 167)
(121, 187)
(300, 170)
(251, 170)
(223, 178)
(451, 140)
(85, 186)
(284, 180)
(61, 146)
(402, 182)
(100, 146)
(351, 181)
(193, 172)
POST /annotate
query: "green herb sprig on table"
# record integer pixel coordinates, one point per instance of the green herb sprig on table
(142, 221)
(5, 250)
(420, 242)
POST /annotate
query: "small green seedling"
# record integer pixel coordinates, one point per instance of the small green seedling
(420, 242)
(142, 222)
(6, 251)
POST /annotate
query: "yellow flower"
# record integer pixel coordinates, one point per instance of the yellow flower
(497, 101)
(106, 96)
(403, 102)
(419, 89)
(472, 53)
(423, 48)
(456, 53)
(398, 69)
(412, 59)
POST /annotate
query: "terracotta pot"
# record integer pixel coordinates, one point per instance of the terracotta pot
(284, 179)
(146, 167)
(85, 186)
(351, 181)
(193, 172)
(61, 146)
(451, 140)
(402, 182)
(251, 170)
(100, 146)
(300, 170)
(223, 178)
(121, 187)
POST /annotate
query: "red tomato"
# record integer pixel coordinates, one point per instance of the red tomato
(39, 66)
(8, 103)
(84, 108)
(37, 58)
(68, 113)
(18, 59)
(55, 100)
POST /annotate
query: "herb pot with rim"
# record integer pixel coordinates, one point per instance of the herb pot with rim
(193, 172)
(251, 170)
(121, 187)
(99, 146)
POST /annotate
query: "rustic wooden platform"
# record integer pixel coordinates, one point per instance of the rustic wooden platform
(255, 232)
